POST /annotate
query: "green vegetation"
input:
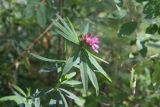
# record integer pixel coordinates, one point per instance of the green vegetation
(49, 59)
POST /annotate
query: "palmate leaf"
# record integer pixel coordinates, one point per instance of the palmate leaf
(67, 31)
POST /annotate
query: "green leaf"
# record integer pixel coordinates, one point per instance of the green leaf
(32, 2)
(86, 29)
(76, 99)
(69, 94)
(156, 73)
(70, 62)
(68, 37)
(93, 79)
(152, 29)
(45, 59)
(159, 30)
(37, 102)
(98, 67)
(70, 30)
(11, 98)
(143, 51)
(65, 30)
(63, 99)
(118, 14)
(84, 75)
(97, 57)
(27, 104)
(28, 11)
(73, 30)
(70, 75)
(127, 28)
(30, 7)
(19, 90)
(72, 82)
(41, 15)
(140, 1)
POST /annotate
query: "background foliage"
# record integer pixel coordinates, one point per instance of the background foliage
(129, 31)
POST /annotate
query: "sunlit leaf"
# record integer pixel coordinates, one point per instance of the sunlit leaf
(19, 90)
(72, 82)
(73, 30)
(69, 94)
(84, 75)
(66, 36)
(98, 67)
(97, 57)
(63, 99)
(67, 31)
(70, 75)
(70, 62)
(37, 102)
(93, 79)
(11, 98)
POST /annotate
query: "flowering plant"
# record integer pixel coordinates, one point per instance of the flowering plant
(81, 58)
(93, 42)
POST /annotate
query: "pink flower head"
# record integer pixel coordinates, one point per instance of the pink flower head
(93, 42)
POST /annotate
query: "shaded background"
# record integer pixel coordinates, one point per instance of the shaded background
(129, 31)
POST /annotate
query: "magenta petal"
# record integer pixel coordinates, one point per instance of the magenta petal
(95, 39)
(95, 47)
(93, 42)
(95, 50)
(86, 39)
(90, 34)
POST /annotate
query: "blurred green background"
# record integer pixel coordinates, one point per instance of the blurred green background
(129, 32)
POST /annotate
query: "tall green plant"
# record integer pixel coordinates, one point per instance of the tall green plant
(82, 58)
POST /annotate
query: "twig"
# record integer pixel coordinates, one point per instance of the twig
(41, 35)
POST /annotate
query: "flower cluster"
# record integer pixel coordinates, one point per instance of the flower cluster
(93, 42)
